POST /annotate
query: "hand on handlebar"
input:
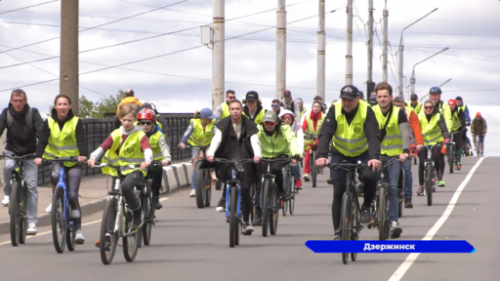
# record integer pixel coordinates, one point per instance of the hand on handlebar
(256, 159)
(91, 163)
(38, 161)
(182, 146)
(419, 147)
(403, 157)
(82, 159)
(165, 162)
(210, 158)
(145, 164)
(375, 164)
(321, 162)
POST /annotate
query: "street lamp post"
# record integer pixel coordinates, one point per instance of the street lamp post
(412, 79)
(422, 98)
(400, 50)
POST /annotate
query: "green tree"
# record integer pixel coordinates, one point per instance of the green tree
(87, 108)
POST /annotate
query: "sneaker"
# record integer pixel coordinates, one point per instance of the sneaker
(221, 206)
(420, 191)
(156, 203)
(193, 193)
(298, 183)
(5, 201)
(49, 208)
(107, 241)
(366, 217)
(247, 229)
(257, 220)
(401, 196)
(458, 167)
(396, 230)
(338, 235)
(137, 220)
(408, 204)
(306, 177)
(329, 181)
(441, 183)
(283, 194)
(31, 229)
(79, 239)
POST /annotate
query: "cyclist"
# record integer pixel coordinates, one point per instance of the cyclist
(479, 128)
(236, 138)
(275, 105)
(147, 119)
(395, 136)
(440, 106)
(253, 107)
(300, 103)
(416, 144)
(353, 128)
(465, 109)
(161, 123)
(277, 140)
(199, 133)
(287, 117)
(311, 126)
(320, 100)
(434, 131)
(415, 104)
(459, 126)
(23, 124)
(222, 111)
(128, 99)
(288, 103)
(63, 136)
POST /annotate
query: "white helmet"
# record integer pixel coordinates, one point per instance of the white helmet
(285, 112)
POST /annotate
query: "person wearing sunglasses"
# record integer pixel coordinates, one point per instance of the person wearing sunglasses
(353, 128)
(434, 131)
(275, 106)
(222, 111)
(311, 127)
(161, 152)
(441, 106)
(277, 141)
(199, 133)
(253, 107)
(459, 128)
(415, 104)
(288, 118)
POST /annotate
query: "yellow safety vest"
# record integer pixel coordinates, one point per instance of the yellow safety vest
(408, 110)
(417, 107)
(62, 143)
(200, 136)
(259, 118)
(350, 140)
(225, 110)
(430, 130)
(392, 144)
(130, 153)
(283, 144)
(302, 113)
(310, 133)
(153, 141)
(456, 120)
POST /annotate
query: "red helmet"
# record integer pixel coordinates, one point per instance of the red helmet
(146, 114)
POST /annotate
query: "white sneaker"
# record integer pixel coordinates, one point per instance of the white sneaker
(214, 177)
(193, 193)
(306, 177)
(79, 239)
(49, 208)
(5, 201)
(31, 229)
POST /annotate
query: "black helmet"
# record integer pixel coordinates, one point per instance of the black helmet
(414, 97)
(435, 90)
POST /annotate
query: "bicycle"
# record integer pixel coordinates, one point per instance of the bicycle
(350, 213)
(450, 151)
(202, 180)
(312, 161)
(118, 216)
(65, 236)
(477, 137)
(146, 197)
(233, 199)
(18, 199)
(290, 189)
(429, 170)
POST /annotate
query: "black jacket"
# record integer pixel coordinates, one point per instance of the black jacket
(329, 127)
(20, 138)
(44, 136)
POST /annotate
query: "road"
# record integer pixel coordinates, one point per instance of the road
(193, 244)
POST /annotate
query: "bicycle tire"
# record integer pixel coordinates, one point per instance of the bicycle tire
(478, 146)
(109, 214)
(15, 227)
(382, 212)
(291, 204)
(286, 187)
(147, 228)
(313, 168)
(356, 227)
(233, 223)
(199, 180)
(428, 184)
(346, 222)
(130, 241)
(274, 211)
(58, 200)
(451, 157)
(70, 232)
(208, 189)
(265, 207)
(401, 185)
(23, 222)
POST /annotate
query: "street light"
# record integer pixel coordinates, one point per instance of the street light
(412, 79)
(400, 50)
(422, 98)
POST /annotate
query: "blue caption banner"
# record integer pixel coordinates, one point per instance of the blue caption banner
(410, 246)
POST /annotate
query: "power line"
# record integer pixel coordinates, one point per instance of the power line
(27, 7)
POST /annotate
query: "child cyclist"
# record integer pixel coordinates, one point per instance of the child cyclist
(127, 145)
(147, 120)
(288, 118)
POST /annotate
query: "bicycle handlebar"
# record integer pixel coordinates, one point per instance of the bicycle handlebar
(201, 147)
(232, 162)
(23, 157)
(346, 166)
(269, 160)
(62, 159)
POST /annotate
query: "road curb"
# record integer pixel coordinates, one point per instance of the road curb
(175, 183)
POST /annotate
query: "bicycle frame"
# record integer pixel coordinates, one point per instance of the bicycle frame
(233, 181)
(62, 185)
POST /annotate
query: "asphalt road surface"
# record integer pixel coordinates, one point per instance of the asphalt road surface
(193, 244)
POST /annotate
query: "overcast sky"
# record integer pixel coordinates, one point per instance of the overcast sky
(180, 81)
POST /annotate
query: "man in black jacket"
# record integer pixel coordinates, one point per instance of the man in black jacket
(354, 129)
(236, 138)
(23, 124)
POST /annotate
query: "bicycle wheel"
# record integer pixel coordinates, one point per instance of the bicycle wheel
(274, 210)
(233, 223)
(401, 186)
(131, 239)
(70, 231)
(451, 157)
(15, 218)
(313, 167)
(355, 228)
(346, 222)
(23, 223)
(291, 203)
(208, 188)
(107, 250)
(428, 183)
(59, 226)
(147, 228)
(265, 206)
(382, 212)
(478, 147)
(199, 186)
(286, 187)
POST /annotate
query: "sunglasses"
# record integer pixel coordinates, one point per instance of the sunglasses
(274, 106)
(146, 123)
(428, 107)
(269, 123)
(231, 97)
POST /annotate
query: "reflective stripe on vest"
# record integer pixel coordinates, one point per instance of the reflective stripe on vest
(392, 144)
(153, 142)
(130, 153)
(310, 134)
(200, 136)
(350, 140)
(62, 143)
(430, 130)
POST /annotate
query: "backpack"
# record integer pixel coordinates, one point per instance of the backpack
(28, 117)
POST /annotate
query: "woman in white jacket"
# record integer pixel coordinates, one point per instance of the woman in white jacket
(288, 118)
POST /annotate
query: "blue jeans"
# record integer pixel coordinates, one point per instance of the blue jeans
(408, 178)
(30, 177)
(393, 180)
(296, 171)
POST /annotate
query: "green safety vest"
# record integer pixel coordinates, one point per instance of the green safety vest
(310, 133)
(200, 136)
(417, 107)
(302, 113)
(259, 118)
(153, 141)
(430, 130)
(408, 110)
(130, 153)
(62, 143)
(225, 110)
(283, 144)
(445, 111)
(392, 144)
(456, 120)
(350, 140)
